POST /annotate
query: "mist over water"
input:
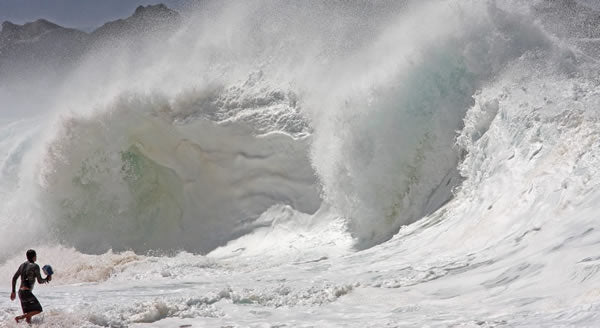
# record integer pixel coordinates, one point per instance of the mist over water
(181, 141)
(129, 158)
(447, 149)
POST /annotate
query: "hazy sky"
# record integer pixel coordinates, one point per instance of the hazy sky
(89, 14)
(83, 14)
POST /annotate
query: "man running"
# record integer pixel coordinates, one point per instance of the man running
(28, 272)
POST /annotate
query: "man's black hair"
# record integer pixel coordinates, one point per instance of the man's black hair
(30, 255)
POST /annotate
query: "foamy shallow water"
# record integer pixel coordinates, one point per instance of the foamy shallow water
(375, 288)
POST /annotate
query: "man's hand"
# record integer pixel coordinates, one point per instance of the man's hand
(12, 296)
(48, 278)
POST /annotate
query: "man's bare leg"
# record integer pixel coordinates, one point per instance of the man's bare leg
(20, 317)
(28, 315)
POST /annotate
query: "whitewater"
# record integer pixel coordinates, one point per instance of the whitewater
(323, 164)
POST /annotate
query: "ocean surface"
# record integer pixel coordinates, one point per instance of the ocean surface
(312, 164)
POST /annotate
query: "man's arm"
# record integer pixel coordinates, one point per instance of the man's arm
(15, 278)
(39, 275)
(14, 283)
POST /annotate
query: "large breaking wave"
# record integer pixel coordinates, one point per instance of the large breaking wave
(185, 143)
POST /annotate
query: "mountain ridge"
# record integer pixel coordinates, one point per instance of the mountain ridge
(44, 46)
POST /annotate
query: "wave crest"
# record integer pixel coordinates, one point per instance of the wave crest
(131, 177)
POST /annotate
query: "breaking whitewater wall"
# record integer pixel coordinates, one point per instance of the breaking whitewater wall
(183, 142)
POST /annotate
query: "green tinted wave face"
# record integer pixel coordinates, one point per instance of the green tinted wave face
(147, 208)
